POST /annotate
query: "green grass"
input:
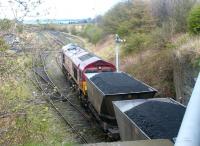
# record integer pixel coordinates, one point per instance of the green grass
(30, 123)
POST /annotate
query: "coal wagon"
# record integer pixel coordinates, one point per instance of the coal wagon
(140, 119)
(103, 88)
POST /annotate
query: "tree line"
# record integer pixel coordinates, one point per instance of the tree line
(146, 23)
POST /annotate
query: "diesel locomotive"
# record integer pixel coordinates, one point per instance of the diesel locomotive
(78, 62)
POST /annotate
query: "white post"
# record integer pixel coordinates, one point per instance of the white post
(117, 56)
(117, 52)
(189, 132)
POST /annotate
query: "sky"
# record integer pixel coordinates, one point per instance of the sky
(59, 9)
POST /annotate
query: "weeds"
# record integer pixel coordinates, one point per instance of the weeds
(3, 45)
(24, 121)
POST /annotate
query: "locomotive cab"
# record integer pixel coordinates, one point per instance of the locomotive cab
(78, 62)
(95, 67)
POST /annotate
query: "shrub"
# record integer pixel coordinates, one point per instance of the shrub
(5, 24)
(19, 28)
(136, 42)
(161, 36)
(73, 30)
(93, 33)
(3, 45)
(194, 20)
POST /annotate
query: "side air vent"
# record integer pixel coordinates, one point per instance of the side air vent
(86, 57)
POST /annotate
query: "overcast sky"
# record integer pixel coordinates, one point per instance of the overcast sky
(61, 9)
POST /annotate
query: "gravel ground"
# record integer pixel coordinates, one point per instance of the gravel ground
(158, 119)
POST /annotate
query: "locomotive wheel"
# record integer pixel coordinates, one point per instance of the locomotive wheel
(83, 100)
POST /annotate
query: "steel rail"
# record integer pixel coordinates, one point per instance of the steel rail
(77, 125)
(65, 97)
(59, 113)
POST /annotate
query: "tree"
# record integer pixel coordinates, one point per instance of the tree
(194, 20)
(181, 9)
(93, 33)
(128, 17)
(21, 8)
(175, 11)
(161, 10)
(114, 17)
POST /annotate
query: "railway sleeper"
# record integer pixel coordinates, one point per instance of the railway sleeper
(112, 132)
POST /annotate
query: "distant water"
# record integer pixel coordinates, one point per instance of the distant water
(58, 21)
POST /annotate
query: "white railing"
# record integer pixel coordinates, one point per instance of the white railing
(189, 132)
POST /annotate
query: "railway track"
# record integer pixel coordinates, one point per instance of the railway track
(62, 92)
(91, 129)
(65, 36)
(55, 98)
(65, 101)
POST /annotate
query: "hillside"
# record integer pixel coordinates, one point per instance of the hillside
(164, 53)
(186, 66)
(171, 71)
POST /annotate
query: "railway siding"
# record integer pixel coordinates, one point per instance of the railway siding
(90, 129)
(62, 97)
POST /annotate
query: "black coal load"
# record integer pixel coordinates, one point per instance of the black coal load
(116, 83)
(158, 119)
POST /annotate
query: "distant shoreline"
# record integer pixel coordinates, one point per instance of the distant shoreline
(58, 21)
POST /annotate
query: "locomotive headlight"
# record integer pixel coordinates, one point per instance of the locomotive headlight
(99, 67)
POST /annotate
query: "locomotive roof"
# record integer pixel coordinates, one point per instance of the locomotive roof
(80, 56)
(112, 83)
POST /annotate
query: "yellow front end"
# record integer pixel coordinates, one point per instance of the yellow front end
(84, 87)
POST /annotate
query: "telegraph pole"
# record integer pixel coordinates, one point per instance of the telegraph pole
(118, 41)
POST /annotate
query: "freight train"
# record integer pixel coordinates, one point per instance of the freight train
(99, 85)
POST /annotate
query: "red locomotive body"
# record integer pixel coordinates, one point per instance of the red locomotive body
(78, 62)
